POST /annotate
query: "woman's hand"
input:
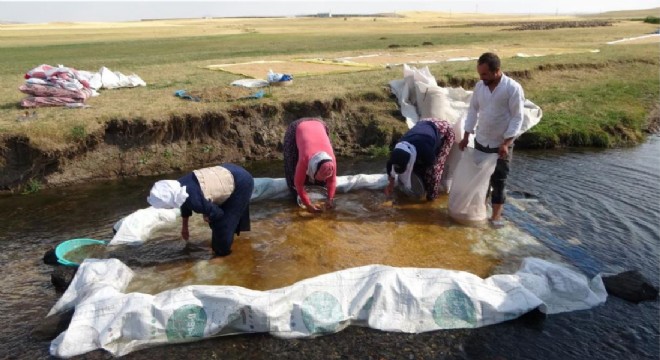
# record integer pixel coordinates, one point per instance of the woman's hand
(184, 229)
(330, 204)
(390, 187)
(313, 209)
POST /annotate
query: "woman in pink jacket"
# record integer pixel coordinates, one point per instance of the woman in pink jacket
(309, 160)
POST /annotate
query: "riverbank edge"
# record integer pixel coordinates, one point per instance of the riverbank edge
(364, 125)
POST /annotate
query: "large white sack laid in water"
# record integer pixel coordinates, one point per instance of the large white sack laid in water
(269, 188)
(98, 279)
(349, 183)
(467, 199)
(137, 226)
(411, 300)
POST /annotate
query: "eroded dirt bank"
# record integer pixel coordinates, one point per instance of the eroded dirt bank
(130, 147)
(135, 147)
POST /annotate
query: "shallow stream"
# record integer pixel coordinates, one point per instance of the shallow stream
(595, 210)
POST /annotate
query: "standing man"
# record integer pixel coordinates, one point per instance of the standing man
(496, 111)
(220, 193)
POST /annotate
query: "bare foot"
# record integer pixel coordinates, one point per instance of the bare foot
(497, 223)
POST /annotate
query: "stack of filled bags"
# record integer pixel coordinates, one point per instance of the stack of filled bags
(55, 86)
(65, 86)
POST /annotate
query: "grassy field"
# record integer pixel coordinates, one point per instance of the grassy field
(589, 98)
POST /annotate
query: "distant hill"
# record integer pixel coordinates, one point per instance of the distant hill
(627, 14)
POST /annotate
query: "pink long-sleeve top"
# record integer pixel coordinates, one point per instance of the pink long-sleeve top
(312, 138)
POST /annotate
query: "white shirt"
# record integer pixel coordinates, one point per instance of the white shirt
(497, 115)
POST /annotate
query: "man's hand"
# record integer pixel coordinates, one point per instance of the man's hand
(503, 151)
(464, 143)
(206, 219)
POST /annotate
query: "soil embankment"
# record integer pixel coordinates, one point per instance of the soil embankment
(359, 125)
(135, 147)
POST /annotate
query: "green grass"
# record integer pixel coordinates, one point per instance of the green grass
(379, 151)
(32, 186)
(601, 106)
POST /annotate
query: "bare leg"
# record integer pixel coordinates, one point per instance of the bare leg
(497, 212)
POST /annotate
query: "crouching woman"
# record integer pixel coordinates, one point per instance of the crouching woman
(422, 151)
(310, 160)
(220, 193)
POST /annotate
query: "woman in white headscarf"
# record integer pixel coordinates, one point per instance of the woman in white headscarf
(220, 193)
(422, 151)
(309, 160)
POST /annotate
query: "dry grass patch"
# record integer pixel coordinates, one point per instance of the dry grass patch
(222, 93)
(260, 69)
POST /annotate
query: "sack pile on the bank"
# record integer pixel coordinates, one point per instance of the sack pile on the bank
(55, 86)
(47, 85)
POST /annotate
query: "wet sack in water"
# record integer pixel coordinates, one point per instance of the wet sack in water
(467, 198)
(370, 296)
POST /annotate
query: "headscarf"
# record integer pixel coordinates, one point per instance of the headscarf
(313, 165)
(167, 194)
(405, 176)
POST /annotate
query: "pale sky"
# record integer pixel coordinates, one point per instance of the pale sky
(50, 11)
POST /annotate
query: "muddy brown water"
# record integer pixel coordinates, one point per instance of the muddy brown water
(287, 244)
(594, 210)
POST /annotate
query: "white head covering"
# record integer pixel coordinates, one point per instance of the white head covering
(313, 164)
(405, 176)
(167, 194)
